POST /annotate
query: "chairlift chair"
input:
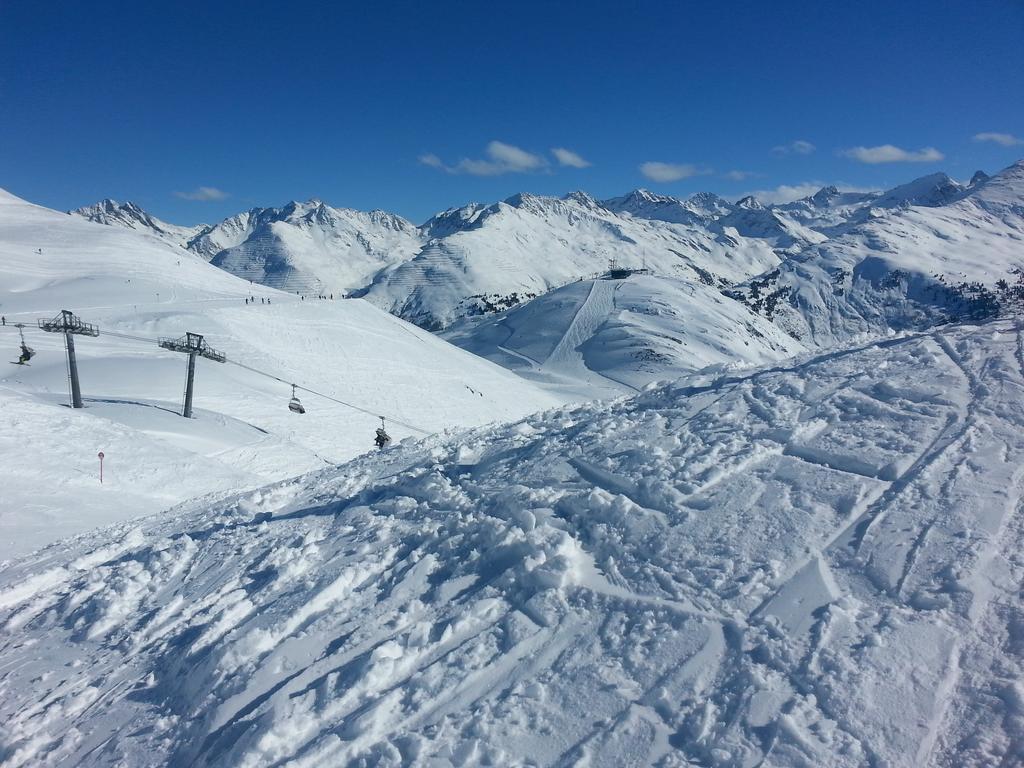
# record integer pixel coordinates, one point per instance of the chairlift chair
(382, 438)
(294, 405)
(27, 353)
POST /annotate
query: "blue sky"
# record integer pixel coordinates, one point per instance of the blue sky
(199, 110)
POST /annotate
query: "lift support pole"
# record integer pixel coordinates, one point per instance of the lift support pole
(186, 411)
(70, 325)
(193, 345)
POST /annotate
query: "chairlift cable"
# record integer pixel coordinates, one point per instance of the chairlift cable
(375, 414)
(250, 368)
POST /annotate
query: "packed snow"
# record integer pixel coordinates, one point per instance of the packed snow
(818, 562)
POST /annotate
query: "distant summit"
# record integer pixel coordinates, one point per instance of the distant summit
(932, 190)
(978, 178)
(131, 216)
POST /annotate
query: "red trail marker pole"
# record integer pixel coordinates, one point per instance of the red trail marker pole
(101, 466)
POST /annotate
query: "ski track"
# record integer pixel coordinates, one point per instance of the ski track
(556, 591)
(566, 357)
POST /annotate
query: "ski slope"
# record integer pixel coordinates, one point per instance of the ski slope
(813, 563)
(604, 338)
(137, 289)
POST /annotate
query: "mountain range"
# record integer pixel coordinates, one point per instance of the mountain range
(778, 278)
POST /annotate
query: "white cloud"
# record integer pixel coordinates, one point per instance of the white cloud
(798, 147)
(887, 153)
(204, 194)
(431, 160)
(787, 193)
(656, 171)
(569, 158)
(739, 175)
(500, 158)
(514, 158)
(1006, 139)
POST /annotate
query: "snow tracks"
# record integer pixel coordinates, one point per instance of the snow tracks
(812, 565)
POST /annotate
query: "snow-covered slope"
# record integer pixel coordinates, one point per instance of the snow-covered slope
(136, 289)
(815, 564)
(309, 248)
(131, 216)
(597, 337)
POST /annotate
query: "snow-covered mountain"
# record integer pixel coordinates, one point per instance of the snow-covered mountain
(493, 257)
(945, 252)
(773, 560)
(700, 208)
(131, 216)
(814, 564)
(138, 289)
(921, 253)
(932, 191)
(309, 248)
(481, 258)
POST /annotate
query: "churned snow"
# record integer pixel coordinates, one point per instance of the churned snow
(812, 563)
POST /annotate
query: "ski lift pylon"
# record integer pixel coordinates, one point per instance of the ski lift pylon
(294, 405)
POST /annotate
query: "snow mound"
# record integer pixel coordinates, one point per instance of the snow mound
(817, 563)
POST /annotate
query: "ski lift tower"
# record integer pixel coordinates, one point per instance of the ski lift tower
(194, 346)
(70, 325)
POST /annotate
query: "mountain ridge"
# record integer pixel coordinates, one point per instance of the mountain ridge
(482, 257)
